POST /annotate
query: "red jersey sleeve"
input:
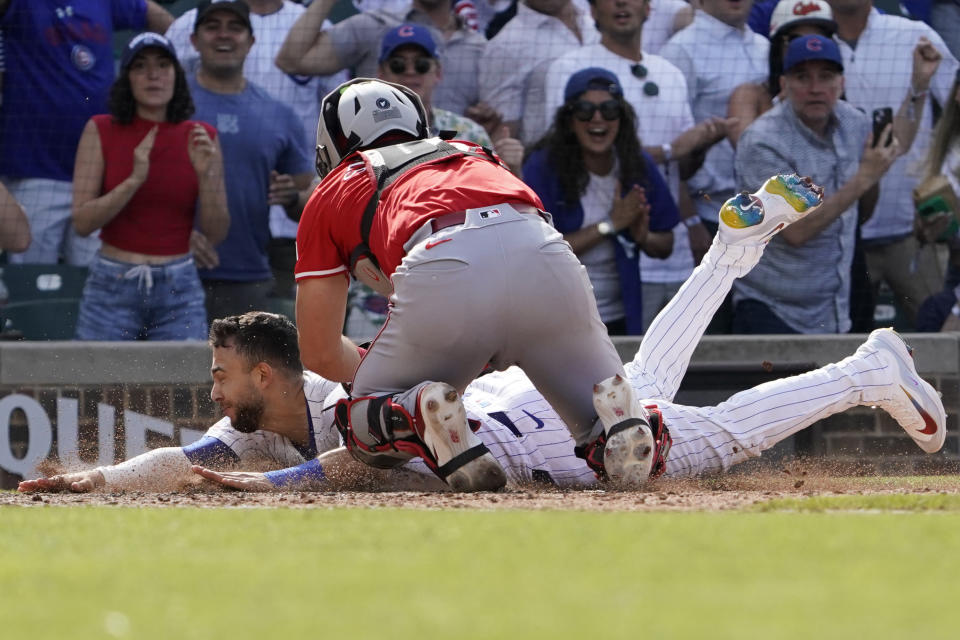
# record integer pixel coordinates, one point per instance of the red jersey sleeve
(330, 225)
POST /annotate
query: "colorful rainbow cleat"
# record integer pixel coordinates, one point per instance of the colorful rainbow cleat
(754, 218)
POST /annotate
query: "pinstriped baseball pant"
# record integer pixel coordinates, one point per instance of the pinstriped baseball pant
(709, 439)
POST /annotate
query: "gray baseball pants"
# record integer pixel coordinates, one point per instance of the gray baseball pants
(503, 288)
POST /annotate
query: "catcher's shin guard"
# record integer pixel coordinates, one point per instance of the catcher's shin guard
(377, 431)
(381, 433)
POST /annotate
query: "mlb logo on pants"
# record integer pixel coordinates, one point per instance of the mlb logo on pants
(490, 213)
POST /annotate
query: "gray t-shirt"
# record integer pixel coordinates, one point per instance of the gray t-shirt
(808, 287)
(357, 43)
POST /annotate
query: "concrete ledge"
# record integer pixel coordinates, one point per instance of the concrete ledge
(72, 363)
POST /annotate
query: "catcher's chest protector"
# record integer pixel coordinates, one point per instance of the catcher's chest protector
(388, 164)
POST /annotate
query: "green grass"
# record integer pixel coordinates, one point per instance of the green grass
(893, 502)
(71, 573)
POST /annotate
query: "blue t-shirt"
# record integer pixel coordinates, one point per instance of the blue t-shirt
(257, 134)
(59, 68)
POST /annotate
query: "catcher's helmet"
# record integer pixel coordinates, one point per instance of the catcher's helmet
(358, 112)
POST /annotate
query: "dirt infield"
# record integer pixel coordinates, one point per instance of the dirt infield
(716, 493)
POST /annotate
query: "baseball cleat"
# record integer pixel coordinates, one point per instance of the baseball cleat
(463, 461)
(628, 455)
(754, 218)
(914, 403)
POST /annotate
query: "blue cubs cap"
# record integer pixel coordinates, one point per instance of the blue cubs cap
(592, 78)
(812, 48)
(405, 34)
(144, 41)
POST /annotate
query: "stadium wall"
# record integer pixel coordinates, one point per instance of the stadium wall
(53, 396)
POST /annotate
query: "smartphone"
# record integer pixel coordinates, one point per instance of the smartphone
(881, 118)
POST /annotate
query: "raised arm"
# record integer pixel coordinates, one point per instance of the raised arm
(746, 104)
(755, 156)
(307, 48)
(207, 160)
(926, 60)
(875, 162)
(91, 210)
(158, 18)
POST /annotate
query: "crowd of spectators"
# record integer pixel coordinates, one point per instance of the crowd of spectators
(146, 158)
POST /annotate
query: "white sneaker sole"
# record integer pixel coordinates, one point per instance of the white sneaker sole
(628, 454)
(447, 435)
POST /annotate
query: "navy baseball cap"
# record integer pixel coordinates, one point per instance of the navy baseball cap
(238, 7)
(405, 34)
(812, 48)
(592, 78)
(144, 41)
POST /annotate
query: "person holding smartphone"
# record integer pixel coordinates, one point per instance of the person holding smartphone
(812, 132)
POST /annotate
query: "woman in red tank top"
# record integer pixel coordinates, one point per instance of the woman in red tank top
(145, 176)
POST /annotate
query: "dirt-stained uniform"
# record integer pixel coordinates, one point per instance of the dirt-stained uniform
(478, 276)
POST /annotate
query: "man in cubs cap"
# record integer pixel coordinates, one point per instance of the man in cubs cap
(404, 35)
(812, 47)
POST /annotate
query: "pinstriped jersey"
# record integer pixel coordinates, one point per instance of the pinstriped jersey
(519, 427)
(266, 449)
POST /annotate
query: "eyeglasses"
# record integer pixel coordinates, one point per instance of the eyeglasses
(583, 110)
(639, 72)
(398, 65)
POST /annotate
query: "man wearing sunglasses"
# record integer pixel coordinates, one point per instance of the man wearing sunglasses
(354, 43)
(408, 56)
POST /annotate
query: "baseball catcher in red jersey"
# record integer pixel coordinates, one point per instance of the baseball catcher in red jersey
(475, 273)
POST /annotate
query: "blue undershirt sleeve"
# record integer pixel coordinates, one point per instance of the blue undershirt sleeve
(208, 451)
(302, 476)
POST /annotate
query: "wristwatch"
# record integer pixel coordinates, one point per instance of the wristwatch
(692, 221)
(605, 227)
(667, 150)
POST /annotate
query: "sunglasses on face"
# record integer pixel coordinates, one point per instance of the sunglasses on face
(421, 65)
(583, 110)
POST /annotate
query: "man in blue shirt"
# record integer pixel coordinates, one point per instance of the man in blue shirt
(58, 72)
(802, 283)
(265, 154)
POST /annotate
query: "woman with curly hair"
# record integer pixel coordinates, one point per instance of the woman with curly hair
(605, 193)
(145, 174)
